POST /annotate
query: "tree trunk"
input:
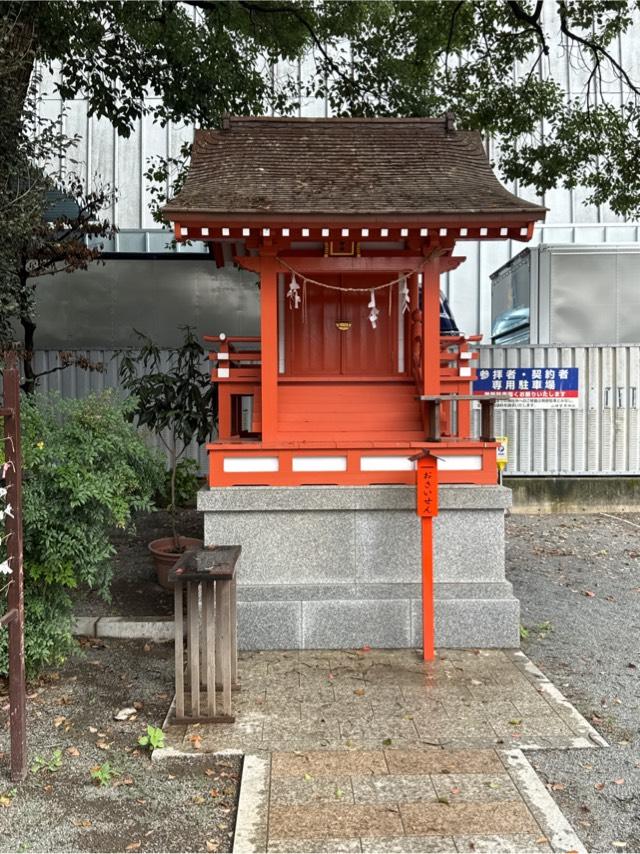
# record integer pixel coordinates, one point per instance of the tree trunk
(173, 509)
(29, 327)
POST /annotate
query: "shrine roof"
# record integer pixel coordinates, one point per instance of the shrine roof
(269, 167)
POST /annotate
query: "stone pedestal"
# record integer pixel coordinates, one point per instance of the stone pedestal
(330, 567)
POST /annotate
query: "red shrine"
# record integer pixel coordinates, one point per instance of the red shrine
(349, 224)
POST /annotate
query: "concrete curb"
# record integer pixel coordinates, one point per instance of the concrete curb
(588, 734)
(250, 835)
(157, 629)
(547, 813)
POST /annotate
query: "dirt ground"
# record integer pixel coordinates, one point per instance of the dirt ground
(578, 581)
(134, 591)
(145, 806)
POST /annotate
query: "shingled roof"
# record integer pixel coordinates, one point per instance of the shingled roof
(354, 167)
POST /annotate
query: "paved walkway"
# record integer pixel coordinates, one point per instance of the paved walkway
(378, 751)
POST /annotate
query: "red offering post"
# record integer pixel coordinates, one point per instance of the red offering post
(427, 508)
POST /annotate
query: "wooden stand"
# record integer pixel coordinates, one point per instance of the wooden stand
(206, 578)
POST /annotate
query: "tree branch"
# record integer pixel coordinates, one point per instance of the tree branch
(597, 50)
(532, 19)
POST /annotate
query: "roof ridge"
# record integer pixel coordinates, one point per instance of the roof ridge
(339, 119)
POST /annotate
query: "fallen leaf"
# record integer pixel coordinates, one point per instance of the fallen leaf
(599, 787)
(5, 801)
(93, 729)
(83, 822)
(59, 720)
(556, 787)
(339, 793)
(212, 845)
(138, 705)
(72, 751)
(196, 740)
(359, 692)
(387, 742)
(455, 790)
(308, 778)
(619, 781)
(210, 772)
(198, 799)
(588, 593)
(515, 721)
(541, 840)
(103, 745)
(125, 714)
(134, 846)
(147, 647)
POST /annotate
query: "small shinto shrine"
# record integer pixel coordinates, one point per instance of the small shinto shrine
(348, 225)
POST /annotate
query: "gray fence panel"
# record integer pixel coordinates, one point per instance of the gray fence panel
(600, 437)
(77, 382)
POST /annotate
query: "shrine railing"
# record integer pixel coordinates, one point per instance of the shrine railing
(11, 568)
(236, 359)
(456, 376)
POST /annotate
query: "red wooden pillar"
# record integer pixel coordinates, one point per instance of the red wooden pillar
(269, 347)
(427, 508)
(431, 326)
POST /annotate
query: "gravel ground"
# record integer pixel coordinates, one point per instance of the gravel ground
(578, 580)
(163, 806)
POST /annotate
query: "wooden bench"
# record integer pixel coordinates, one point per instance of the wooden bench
(207, 579)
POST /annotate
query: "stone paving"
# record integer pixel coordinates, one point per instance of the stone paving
(379, 751)
(395, 800)
(354, 700)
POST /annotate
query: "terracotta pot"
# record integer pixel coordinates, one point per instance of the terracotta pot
(164, 555)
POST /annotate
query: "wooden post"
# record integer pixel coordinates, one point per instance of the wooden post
(269, 347)
(15, 593)
(193, 629)
(179, 647)
(428, 620)
(427, 508)
(431, 326)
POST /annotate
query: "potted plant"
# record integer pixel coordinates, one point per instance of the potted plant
(175, 399)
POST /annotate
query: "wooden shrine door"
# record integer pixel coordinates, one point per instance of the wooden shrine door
(333, 335)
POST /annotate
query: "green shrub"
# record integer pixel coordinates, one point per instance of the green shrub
(85, 471)
(187, 485)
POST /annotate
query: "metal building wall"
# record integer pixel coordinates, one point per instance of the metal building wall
(600, 437)
(122, 162)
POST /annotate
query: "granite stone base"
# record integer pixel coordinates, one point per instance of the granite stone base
(340, 567)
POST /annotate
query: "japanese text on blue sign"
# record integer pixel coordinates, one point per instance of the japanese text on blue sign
(545, 388)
